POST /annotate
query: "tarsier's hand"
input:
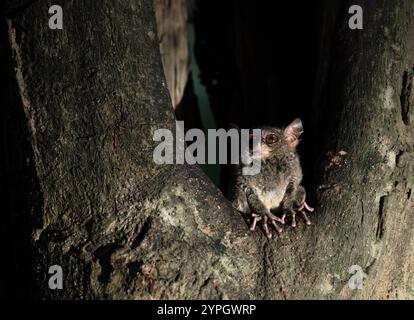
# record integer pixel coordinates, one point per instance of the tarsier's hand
(301, 209)
(298, 205)
(265, 219)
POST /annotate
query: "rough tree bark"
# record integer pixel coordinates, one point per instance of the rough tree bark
(365, 207)
(118, 224)
(123, 227)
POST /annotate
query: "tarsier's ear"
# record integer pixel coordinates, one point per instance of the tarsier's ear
(293, 131)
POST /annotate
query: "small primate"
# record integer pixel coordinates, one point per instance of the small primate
(277, 187)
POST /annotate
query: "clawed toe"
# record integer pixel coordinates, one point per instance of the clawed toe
(274, 219)
(293, 217)
(265, 220)
(256, 218)
(302, 210)
(305, 206)
(305, 216)
(278, 229)
(266, 228)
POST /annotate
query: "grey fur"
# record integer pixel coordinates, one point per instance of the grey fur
(277, 187)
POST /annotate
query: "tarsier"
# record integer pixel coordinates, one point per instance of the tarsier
(278, 185)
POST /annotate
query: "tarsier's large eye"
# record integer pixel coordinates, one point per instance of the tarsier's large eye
(271, 138)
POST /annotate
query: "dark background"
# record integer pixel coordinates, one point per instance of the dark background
(258, 61)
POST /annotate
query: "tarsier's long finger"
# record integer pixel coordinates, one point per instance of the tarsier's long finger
(305, 216)
(255, 219)
(293, 219)
(310, 209)
(278, 229)
(306, 206)
(273, 217)
(266, 228)
(253, 226)
(281, 220)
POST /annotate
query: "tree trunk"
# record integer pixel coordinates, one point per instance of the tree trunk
(123, 227)
(119, 225)
(365, 172)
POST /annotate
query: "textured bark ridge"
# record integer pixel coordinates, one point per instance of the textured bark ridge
(118, 224)
(122, 227)
(366, 179)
